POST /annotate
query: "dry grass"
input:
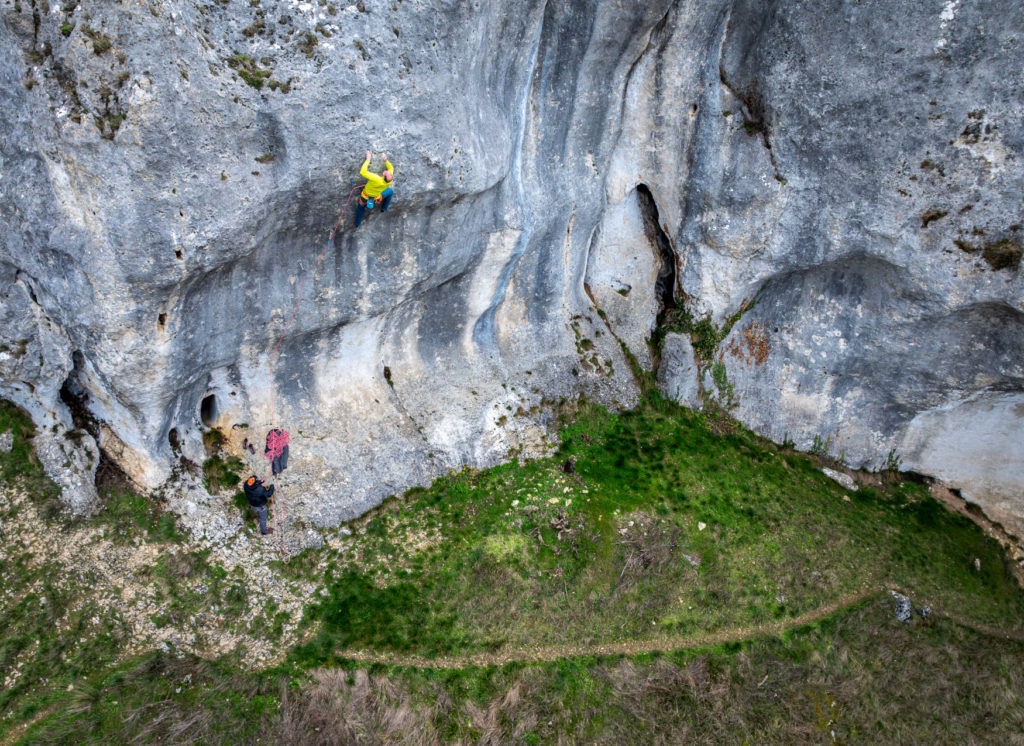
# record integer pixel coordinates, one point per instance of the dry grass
(340, 708)
(861, 674)
(647, 546)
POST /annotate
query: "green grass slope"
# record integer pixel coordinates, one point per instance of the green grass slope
(662, 528)
(659, 528)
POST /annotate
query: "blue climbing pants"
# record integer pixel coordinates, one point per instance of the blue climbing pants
(384, 200)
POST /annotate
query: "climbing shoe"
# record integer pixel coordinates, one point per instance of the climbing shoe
(268, 531)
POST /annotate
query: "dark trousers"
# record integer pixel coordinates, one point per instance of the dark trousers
(261, 513)
(280, 463)
(384, 200)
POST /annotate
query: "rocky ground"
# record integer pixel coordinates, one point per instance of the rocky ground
(158, 593)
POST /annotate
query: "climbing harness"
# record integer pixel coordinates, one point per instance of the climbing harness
(275, 442)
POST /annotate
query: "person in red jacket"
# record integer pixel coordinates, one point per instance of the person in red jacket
(377, 190)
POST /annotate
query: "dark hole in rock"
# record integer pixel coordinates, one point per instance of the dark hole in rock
(162, 320)
(208, 410)
(76, 398)
(179, 254)
(387, 373)
(173, 439)
(664, 286)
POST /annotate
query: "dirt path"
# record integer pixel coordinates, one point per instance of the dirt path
(550, 653)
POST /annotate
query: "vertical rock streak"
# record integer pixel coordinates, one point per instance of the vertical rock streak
(483, 329)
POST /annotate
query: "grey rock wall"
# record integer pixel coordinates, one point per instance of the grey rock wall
(170, 172)
(887, 271)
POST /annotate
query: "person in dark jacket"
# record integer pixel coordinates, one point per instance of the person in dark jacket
(257, 495)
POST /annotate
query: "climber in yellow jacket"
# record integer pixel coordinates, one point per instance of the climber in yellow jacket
(377, 190)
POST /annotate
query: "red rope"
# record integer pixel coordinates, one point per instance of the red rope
(275, 441)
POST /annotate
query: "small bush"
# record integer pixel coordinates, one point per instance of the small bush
(213, 441)
(308, 44)
(222, 473)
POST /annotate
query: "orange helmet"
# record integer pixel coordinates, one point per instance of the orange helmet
(251, 480)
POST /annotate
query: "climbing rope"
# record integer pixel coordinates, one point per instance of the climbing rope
(276, 442)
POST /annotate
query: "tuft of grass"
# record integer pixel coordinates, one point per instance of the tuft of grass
(256, 27)
(308, 44)
(222, 473)
(1003, 254)
(213, 441)
(126, 513)
(931, 216)
(248, 70)
(101, 43)
(20, 466)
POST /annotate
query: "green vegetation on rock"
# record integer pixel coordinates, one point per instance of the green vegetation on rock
(20, 466)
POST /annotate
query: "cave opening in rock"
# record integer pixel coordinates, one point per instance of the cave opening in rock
(664, 286)
(173, 439)
(208, 410)
(76, 398)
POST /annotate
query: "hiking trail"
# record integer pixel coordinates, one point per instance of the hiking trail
(667, 644)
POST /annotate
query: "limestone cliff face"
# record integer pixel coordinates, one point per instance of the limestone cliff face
(171, 171)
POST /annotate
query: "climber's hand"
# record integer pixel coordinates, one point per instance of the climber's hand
(368, 155)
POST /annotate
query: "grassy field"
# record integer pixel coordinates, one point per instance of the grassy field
(663, 528)
(656, 524)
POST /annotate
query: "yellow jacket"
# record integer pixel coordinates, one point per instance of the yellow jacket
(374, 184)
